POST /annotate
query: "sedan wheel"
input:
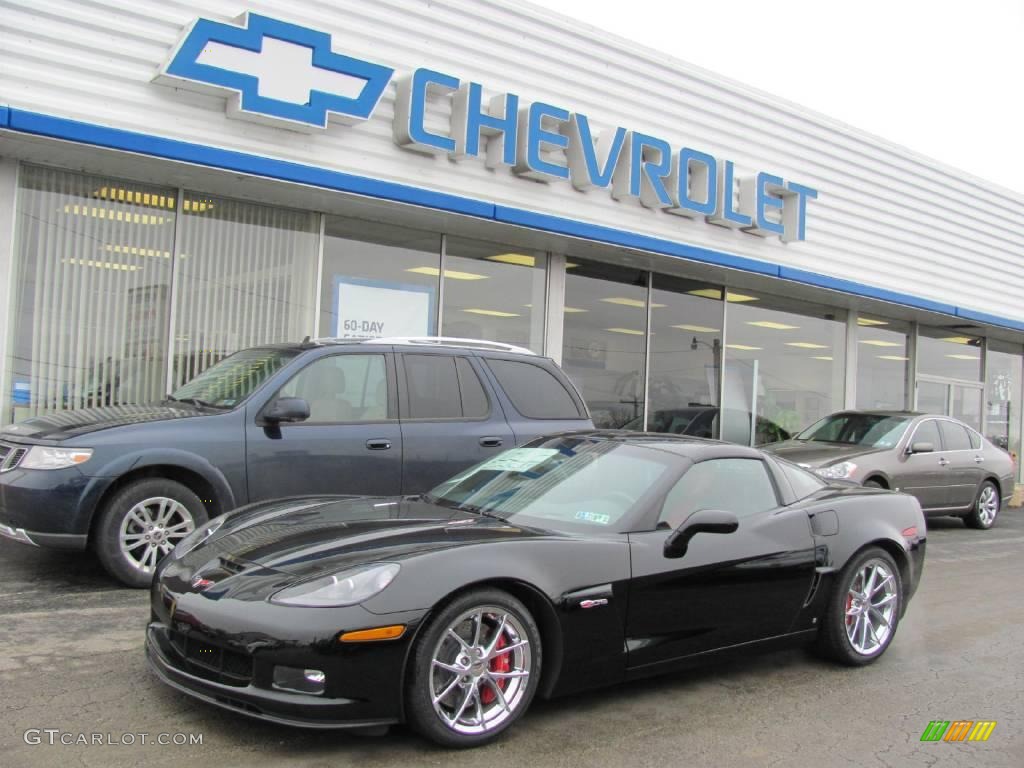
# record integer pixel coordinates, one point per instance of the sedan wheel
(141, 524)
(986, 507)
(476, 670)
(864, 610)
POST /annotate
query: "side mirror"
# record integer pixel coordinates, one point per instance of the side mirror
(287, 410)
(921, 447)
(704, 521)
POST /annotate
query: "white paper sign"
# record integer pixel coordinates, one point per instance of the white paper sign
(371, 312)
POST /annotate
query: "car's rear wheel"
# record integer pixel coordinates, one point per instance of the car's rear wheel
(141, 524)
(986, 507)
(475, 669)
(864, 609)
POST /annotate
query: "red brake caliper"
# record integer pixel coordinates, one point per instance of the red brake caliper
(502, 663)
(849, 604)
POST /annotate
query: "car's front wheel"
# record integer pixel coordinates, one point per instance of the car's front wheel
(475, 669)
(141, 524)
(986, 507)
(864, 609)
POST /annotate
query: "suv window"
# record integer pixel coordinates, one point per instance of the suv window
(804, 483)
(443, 387)
(954, 436)
(342, 388)
(534, 391)
(741, 486)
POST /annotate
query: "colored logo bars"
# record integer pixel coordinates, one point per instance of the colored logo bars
(958, 730)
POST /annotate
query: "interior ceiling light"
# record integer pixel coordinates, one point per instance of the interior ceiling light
(448, 273)
(806, 345)
(892, 357)
(521, 259)
(960, 340)
(104, 265)
(135, 197)
(880, 343)
(623, 301)
(821, 357)
(630, 331)
(715, 293)
(132, 250)
(773, 325)
(696, 328)
(963, 357)
(491, 312)
(742, 347)
(869, 321)
(115, 215)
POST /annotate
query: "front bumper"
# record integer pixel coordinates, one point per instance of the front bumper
(38, 539)
(48, 508)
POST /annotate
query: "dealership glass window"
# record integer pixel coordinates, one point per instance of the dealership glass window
(784, 363)
(604, 340)
(686, 357)
(494, 292)
(378, 280)
(882, 363)
(91, 293)
(1003, 396)
(245, 275)
(949, 353)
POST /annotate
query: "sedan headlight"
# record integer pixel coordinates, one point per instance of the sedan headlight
(45, 457)
(338, 589)
(197, 537)
(840, 471)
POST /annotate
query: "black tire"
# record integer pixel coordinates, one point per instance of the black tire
(873, 483)
(435, 641)
(986, 507)
(181, 505)
(834, 641)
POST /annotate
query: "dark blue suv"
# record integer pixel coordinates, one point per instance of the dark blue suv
(378, 417)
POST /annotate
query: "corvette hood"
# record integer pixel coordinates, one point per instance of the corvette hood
(816, 454)
(67, 424)
(311, 536)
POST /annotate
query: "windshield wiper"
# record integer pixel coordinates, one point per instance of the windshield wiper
(197, 402)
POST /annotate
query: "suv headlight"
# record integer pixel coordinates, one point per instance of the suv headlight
(840, 471)
(45, 457)
(338, 589)
(197, 537)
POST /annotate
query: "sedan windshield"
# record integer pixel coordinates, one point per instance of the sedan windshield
(565, 484)
(871, 430)
(234, 378)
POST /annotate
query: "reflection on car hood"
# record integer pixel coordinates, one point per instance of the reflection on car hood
(67, 424)
(815, 454)
(305, 537)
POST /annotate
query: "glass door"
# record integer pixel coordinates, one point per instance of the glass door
(961, 400)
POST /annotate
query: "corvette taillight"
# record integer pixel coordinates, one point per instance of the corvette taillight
(909, 533)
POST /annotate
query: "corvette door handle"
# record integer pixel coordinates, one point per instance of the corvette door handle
(978, 459)
(378, 445)
(490, 442)
(943, 462)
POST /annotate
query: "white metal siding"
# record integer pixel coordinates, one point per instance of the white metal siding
(884, 217)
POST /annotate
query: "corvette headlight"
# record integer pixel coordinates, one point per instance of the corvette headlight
(840, 471)
(197, 537)
(44, 457)
(338, 589)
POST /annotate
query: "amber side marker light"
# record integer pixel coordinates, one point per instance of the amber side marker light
(910, 533)
(392, 632)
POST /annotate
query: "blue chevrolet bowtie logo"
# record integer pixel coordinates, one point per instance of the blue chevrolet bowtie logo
(275, 72)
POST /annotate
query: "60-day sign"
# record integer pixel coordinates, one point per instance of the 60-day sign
(369, 309)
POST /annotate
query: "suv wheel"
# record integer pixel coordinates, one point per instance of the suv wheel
(141, 524)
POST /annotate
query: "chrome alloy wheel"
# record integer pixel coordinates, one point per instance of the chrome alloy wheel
(151, 529)
(870, 608)
(988, 505)
(480, 670)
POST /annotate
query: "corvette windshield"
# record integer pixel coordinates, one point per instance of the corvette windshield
(565, 484)
(871, 430)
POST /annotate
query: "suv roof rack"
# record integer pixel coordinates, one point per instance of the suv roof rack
(452, 341)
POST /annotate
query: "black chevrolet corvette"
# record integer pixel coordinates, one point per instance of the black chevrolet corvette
(577, 561)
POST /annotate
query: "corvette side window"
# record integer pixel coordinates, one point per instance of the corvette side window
(740, 486)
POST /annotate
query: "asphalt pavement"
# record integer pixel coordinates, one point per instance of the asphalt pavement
(72, 668)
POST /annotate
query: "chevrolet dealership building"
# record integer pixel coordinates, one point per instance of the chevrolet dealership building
(179, 181)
